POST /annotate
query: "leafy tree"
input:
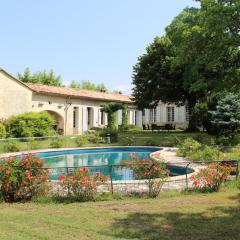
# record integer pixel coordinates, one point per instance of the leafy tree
(111, 109)
(42, 77)
(226, 117)
(197, 60)
(86, 84)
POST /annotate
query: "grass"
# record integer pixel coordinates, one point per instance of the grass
(171, 216)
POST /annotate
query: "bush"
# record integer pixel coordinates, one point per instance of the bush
(30, 125)
(127, 141)
(94, 138)
(81, 140)
(57, 143)
(2, 131)
(208, 154)
(81, 184)
(11, 146)
(154, 172)
(188, 147)
(211, 178)
(112, 133)
(21, 180)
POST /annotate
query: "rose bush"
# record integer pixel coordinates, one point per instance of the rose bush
(23, 179)
(153, 172)
(211, 178)
(81, 183)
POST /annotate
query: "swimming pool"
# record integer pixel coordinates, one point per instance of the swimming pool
(104, 160)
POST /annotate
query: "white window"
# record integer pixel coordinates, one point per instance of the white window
(153, 115)
(170, 114)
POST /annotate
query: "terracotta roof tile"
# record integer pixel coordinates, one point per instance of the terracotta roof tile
(79, 93)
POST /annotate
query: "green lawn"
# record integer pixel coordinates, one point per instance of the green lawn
(171, 216)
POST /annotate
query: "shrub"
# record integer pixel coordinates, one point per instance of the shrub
(57, 143)
(154, 172)
(94, 138)
(208, 154)
(127, 141)
(188, 147)
(2, 131)
(11, 146)
(112, 133)
(210, 178)
(21, 180)
(81, 184)
(30, 125)
(81, 140)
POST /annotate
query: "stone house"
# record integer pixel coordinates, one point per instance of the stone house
(78, 110)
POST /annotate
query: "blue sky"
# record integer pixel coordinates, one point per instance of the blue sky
(96, 40)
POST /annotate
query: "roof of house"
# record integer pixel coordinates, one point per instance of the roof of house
(79, 93)
(73, 92)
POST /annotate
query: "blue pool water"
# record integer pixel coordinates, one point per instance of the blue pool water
(104, 160)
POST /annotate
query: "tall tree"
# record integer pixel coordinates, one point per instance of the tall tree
(200, 60)
(42, 77)
(226, 117)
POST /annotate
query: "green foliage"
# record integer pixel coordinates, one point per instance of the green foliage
(133, 128)
(95, 138)
(33, 144)
(150, 142)
(226, 117)
(127, 141)
(86, 84)
(124, 125)
(11, 146)
(41, 77)
(195, 62)
(111, 109)
(81, 140)
(3, 132)
(108, 132)
(207, 154)
(30, 125)
(188, 147)
(57, 143)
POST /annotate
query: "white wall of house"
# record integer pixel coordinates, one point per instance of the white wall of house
(71, 113)
(161, 116)
(15, 98)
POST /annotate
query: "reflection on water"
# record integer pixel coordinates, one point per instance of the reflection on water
(97, 162)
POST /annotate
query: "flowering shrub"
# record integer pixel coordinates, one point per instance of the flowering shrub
(81, 183)
(23, 179)
(154, 172)
(210, 178)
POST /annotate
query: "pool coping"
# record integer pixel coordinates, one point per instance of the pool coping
(165, 154)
